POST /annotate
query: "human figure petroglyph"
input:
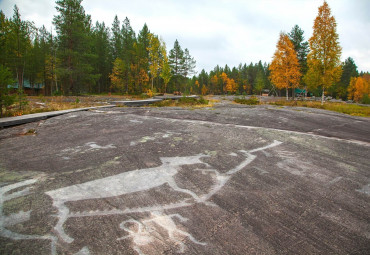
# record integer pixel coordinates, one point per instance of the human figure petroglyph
(142, 235)
(143, 180)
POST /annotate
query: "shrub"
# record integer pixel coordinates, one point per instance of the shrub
(164, 103)
(251, 101)
(184, 101)
(365, 99)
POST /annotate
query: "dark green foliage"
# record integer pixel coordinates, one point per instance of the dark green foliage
(300, 46)
(365, 99)
(5, 79)
(74, 31)
(103, 62)
(21, 98)
(340, 89)
(176, 61)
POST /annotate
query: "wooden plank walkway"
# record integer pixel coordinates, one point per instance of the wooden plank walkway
(18, 120)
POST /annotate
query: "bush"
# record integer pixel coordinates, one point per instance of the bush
(164, 103)
(365, 99)
(184, 101)
(189, 101)
(202, 100)
(57, 93)
(251, 101)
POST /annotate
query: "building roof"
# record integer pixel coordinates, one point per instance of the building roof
(27, 84)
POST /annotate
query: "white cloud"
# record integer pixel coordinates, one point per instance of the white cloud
(221, 31)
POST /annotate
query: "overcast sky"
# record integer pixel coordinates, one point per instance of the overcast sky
(221, 31)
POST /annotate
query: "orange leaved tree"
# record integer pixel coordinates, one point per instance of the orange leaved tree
(358, 88)
(284, 68)
(324, 66)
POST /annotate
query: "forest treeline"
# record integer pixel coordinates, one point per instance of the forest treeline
(85, 58)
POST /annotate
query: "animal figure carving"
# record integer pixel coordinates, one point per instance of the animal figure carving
(142, 180)
(121, 184)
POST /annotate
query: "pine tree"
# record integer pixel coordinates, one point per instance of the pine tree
(324, 67)
(128, 52)
(176, 60)
(102, 63)
(189, 64)
(5, 79)
(143, 45)
(19, 45)
(4, 33)
(285, 71)
(116, 40)
(73, 27)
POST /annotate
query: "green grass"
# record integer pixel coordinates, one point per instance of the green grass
(351, 109)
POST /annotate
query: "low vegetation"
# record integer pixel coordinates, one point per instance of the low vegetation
(47, 104)
(250, 101)
(351, 109)
(184, 102)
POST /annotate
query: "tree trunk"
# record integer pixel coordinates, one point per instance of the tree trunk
(305, 92)
(286, 93)
(322, 96)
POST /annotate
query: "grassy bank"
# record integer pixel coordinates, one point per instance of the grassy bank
(351, 109)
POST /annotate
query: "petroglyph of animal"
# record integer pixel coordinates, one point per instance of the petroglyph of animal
(142, 180)
(121, 184)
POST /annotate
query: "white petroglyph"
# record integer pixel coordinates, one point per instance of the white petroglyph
(143, 180)
(335, 180)
(20, 217)
(90, 146)
(136, 121)
(124, 183)
(84, 251)
(16, 218)
(143, 234)
(365, 189)
(154, 137)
